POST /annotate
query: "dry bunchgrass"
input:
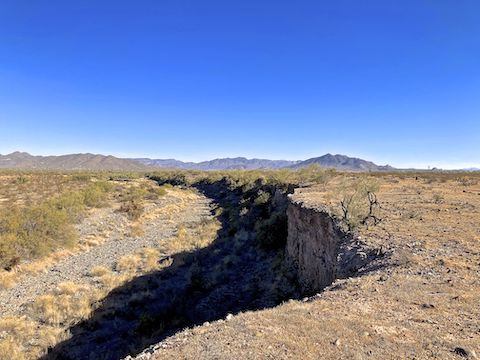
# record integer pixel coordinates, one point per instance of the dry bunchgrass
(129, 263)
(7, 279)
(150, 259)
(98, 271)
(188, 239)
(69, 303)
(23, 338)
(112, 280)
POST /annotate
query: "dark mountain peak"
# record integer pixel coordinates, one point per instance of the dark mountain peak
(342, 162)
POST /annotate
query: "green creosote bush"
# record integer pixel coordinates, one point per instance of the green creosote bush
(35, 231)
(96, 194)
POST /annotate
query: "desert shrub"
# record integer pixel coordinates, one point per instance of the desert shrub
(21, 180)
(358, 201)
(71, 202)
(81, 177)
(467, 181)
(438, 198)
(132, 203)
(154, 192)
(96, 194)
(34, 231)
(272, 232)
(124, 176)
(314, 173)
(9, 256)
(262, 198)
(133, 208)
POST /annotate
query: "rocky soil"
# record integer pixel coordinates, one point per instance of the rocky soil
(111, 230)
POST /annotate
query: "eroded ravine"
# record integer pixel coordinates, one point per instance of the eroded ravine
(245, 267)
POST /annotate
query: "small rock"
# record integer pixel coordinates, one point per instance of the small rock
(428, 306)
(366, 333)
(337, 342)
(229, 317)
(466, 353)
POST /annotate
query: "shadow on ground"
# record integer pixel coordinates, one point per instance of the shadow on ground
(237, 272)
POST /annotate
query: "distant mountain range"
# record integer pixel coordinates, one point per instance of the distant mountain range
(340, 162)
(472, 169)
(219, 164)
(23, 160)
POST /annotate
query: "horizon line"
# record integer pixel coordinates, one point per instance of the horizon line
(417, 166)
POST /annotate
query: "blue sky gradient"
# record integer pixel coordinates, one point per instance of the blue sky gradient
(395, 81)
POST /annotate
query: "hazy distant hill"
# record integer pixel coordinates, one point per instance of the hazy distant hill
(23, 160)
(166, 163)
(472, 169)
(219, 164)
(342, 162)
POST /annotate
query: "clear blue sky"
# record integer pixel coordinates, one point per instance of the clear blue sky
(393, 81)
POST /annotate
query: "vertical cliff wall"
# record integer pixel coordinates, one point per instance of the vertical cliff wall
(312, 245)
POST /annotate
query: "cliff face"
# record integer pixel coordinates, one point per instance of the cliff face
(317, 249)
(312, 246)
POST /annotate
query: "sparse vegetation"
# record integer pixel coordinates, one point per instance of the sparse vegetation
(358, 202)
(255, 225)
(32, 231)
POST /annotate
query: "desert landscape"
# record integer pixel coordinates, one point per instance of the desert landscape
(255, 264)
(239, 180)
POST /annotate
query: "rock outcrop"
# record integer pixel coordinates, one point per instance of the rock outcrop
(312, 245)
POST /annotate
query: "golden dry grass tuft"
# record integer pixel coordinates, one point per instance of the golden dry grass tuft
(98, 271)
(7, 279)
(69, 303)
(23, 338)
(129, 263)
